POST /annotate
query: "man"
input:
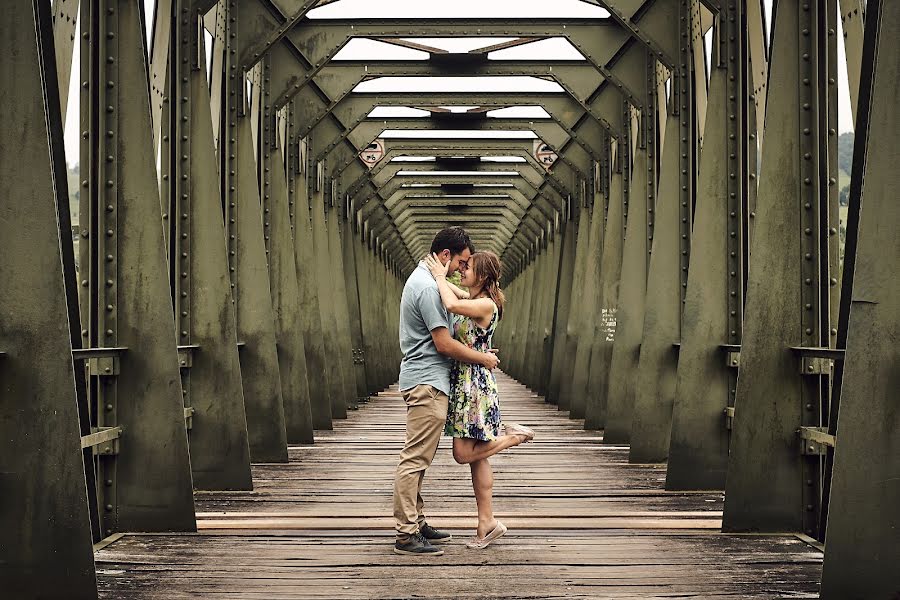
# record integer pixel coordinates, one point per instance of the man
(427, 343)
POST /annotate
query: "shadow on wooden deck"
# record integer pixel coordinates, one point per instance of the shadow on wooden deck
(583, 523)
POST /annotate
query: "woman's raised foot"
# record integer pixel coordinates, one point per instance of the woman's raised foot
(520, 430)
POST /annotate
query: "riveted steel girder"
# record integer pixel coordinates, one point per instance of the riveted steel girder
(436, 149)
(548, 130)
(583, 87)
(46, 523)
(603, 44)
(515, 174)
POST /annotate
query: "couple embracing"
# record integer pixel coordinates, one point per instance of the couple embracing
(447, 382)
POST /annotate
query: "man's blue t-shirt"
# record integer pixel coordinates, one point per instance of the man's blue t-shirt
(421, 311)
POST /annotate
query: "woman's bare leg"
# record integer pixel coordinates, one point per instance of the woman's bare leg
(483, 485)
(467, 450)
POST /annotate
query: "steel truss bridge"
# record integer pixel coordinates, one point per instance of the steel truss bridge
(667, 215)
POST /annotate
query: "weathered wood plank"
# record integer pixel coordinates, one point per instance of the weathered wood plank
(584, 523)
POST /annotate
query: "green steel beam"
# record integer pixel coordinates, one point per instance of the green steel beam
(46, 540)
(861, 540)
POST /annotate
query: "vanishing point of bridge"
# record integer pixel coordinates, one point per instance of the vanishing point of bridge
(198, 328)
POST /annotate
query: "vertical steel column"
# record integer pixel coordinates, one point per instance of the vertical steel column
(263, 392)
(861, 551)
(607, 298)
(523, 324)
(526, 351)
(198, 267)
(307, 280)
(254, 312)
(335, 255)
(283, 282)
(126, 301)
(632, 297)
(698, 449)
(577, 308)
(564, 301)
(542, 350)
(367, 284)
(334, 365)
(45, 544)
(588, 326)
(770, 485)
(658, 360)
(352, 286)
(227, 95)
(550, 290)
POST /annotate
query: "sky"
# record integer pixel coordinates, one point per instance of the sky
(555, 48)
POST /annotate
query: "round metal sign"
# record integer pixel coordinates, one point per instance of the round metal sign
(544, 154)
(373, 153)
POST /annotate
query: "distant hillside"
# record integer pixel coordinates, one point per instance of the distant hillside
(845, 165)
(74, 190)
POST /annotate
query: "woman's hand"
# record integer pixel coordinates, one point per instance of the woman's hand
(434, 265)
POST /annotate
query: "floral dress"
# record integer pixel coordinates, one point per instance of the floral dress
(474, 410)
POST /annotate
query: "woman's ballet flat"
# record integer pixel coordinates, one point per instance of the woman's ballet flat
(477, 543)
(516, 429)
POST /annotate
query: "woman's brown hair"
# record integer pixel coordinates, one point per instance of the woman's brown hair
(487, 267)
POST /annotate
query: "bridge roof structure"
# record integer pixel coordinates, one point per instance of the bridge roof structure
(209, 209)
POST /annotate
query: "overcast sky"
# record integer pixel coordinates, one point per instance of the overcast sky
(361, 49)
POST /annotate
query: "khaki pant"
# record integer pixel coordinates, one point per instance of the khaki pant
(426, 413)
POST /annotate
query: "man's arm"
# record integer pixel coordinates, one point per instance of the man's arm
(448, 346)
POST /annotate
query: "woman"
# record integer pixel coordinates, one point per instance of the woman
(473, 418)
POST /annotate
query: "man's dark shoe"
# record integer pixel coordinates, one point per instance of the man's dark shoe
(416, 545)
(433, 535)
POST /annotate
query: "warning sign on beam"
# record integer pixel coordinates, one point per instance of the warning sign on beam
(544, 154)
(373, 153)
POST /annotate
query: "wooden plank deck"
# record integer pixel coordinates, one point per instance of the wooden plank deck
(583, 524)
